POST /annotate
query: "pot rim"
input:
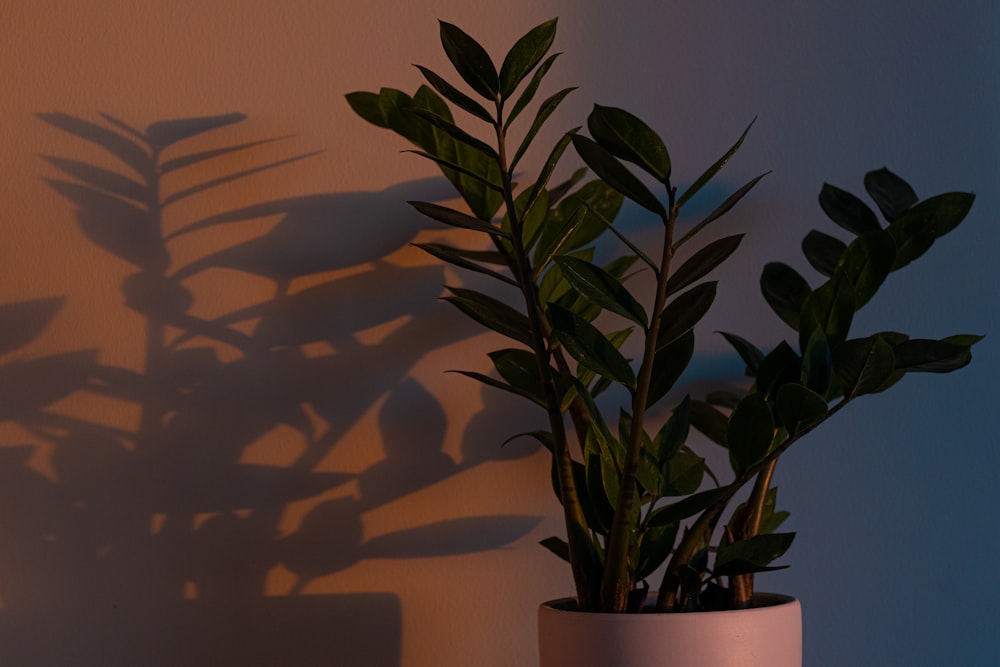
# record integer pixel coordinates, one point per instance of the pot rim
(764, 602)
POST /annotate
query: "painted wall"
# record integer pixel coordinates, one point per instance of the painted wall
(226, 434)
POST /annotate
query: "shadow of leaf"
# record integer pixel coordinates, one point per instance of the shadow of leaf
(453, 537)
(28, 386)
(124, 230)
(22, 322)
(317, 233)
(124, 149)
(163, 133)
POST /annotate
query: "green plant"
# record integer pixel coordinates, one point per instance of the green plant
(632, 498)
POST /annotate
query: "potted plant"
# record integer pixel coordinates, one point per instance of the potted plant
(637, 499)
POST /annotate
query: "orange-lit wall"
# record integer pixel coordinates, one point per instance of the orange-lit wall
(227, 437)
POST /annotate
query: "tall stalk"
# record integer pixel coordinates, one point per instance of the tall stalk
(578, 533)
(616, 583)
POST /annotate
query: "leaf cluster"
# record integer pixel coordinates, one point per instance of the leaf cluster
(636, 497)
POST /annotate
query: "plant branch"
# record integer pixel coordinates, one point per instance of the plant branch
(615, 583)
(741, 588)
(577, 536)
(690, 544)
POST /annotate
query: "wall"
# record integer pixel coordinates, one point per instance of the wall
(227, 436)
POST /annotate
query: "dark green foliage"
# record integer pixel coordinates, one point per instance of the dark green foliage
(624, 492)
(614, 173)
(750, 432)
(628, 138)
(752, 555)
(702, 262)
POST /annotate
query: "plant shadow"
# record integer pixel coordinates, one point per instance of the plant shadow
(170, 541)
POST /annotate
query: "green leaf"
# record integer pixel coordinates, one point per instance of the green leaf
(647, 474)
(781, 365)
(615, 174)
(817, 365)
(673, 433)
(456, 96)
(471, 61)
(475, 174)
(498, 384)
(388, 109)
(684, 312)
(933, 356)
(425, 98)
(702, 262)
(600, 481)
(893, 195)
(601, 445)
(524, 55)
(530, 213)
(464, 259)
(823, 251)
(491, 313)
(799, 407)
(557, 192)
(578, 220)
(542, 437)
(751, 555)
(365, 104)
(714, 169)
(529, 91)
(830, 309)
(588, 346)
(770, 519)
(710, 422)
(598, 425)
(773, 521)
(688, 507)
(553, 286)
(457, 133)
(669, 364)
(456, 218)
(691, 577)
(748, 352)
(750, 432)
(720, 210)
(550, 165)
(630, 139)
(967, 340)
(683, 474)
(608, 225)
(785, 291)
(655, 544)
(544, 111)
(557, 546)
(917, 229)
(449, 165)
(520, 368)
(863, 365)
(602, 288)
(723, 398)
(867, 262)
(847, 210)
(586, 376)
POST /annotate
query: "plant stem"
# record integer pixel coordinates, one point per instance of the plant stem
(741, 585)
(577, 532)
(616, 582)
(691, 542)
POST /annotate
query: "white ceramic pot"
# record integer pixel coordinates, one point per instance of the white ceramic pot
(767, 635)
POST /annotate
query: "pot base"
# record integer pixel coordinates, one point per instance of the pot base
(767, 635)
